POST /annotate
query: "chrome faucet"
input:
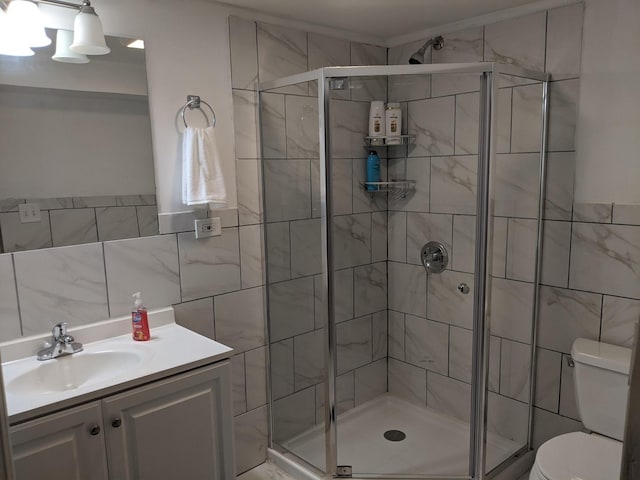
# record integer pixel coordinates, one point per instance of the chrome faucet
(63, 344)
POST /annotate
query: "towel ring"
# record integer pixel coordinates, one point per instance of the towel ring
(194, 101)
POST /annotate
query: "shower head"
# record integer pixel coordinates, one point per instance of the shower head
(436, 43)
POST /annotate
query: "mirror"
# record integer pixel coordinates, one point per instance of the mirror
(76, 158)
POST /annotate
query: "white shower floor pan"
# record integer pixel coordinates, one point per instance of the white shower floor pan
(435, 444)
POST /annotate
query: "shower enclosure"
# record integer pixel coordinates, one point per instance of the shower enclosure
(379, 369)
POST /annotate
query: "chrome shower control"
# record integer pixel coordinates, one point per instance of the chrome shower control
(464, 288)
(434, 257)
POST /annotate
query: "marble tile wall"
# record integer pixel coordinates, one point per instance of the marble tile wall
(591, 258)
(420, 346)
(77, 220)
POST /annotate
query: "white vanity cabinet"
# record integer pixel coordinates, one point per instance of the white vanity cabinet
(171, 429)
(65, 445)
(177, 427)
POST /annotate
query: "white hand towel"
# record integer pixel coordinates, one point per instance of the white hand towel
(202, 180)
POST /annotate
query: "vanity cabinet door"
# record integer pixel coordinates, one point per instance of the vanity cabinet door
(63, 446)
(171, 429)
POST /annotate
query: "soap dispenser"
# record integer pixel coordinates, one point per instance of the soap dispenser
(139, 320)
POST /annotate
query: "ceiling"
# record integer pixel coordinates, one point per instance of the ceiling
(384, 19)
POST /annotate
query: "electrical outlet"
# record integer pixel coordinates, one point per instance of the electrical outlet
(209, 227)
(29, 212)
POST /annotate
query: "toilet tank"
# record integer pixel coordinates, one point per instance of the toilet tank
(601, 377)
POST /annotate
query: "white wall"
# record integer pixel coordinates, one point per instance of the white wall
(608, 129)
(187, 52)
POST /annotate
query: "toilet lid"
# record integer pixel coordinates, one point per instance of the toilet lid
(580, 456)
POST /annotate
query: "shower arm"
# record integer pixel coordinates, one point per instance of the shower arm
(424, 47)
(436, 43)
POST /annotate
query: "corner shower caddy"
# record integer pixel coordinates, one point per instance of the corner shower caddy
(397, 188)
(382, 141)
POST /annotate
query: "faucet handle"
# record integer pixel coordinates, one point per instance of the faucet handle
(59, 330)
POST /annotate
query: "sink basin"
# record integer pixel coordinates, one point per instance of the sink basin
(73, 371)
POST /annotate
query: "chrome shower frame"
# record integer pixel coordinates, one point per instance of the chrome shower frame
(488, 72)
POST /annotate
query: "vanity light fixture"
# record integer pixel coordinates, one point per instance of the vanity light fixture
(8, 45)
(88, 36)
(64, 54)
(27, 27)
(27, 24)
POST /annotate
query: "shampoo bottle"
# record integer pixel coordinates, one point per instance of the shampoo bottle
(373, 170)
(393, 123)
(139, 320)
(376, 119)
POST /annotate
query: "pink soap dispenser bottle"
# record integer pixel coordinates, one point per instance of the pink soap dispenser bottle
(139, 320)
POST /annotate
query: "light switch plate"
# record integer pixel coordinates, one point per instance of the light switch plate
(29, 212)
(209, 227)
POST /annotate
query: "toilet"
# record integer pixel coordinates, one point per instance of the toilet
(600, 375)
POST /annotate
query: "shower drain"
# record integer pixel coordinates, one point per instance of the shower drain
(394, 435)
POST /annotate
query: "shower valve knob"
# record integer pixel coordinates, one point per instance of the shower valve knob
(464, 288)
(434, 257)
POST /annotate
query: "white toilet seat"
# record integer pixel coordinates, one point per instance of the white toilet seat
(578, 455)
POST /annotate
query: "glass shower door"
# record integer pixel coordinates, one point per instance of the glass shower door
(359, 223)
(518, 219)
(404, 405)
(293, 232)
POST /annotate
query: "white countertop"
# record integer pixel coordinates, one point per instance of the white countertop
(172, 349)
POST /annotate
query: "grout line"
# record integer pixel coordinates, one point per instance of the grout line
(177, 240)
(569, 254)
(601, 316)
(246, 390)
(560, 384)
(546, 40)
(50, 227)
(95, 214)
(106, 279)
(15, 286)
(455, 122)
(137, 220)
(240, 256)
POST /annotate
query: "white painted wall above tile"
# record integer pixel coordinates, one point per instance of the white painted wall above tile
(564, 41)
(201, 24)
(609, 103)
(243, 50)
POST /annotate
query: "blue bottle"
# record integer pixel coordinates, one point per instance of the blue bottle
(373, 170)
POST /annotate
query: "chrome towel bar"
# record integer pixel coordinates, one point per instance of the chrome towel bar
(194, 101)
